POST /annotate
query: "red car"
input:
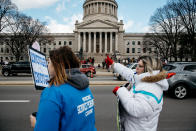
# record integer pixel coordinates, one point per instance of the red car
(87, 69)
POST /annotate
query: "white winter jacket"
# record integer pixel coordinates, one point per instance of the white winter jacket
(143, 103)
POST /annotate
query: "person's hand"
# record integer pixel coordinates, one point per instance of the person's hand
(115, 90)
(32, 120)
(109, 60)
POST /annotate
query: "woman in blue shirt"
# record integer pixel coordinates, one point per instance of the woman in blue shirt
(68, 104)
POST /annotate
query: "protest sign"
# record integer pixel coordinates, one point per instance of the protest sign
(39, 69)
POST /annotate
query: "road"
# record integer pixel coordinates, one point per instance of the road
(29, 78)
(177, 115)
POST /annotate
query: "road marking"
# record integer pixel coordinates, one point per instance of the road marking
(9, 101)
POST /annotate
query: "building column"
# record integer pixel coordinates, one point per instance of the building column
(116, 43)
(106, 42)
(108, 9)
(89, 42)
(84, 11)
(100, 46)
(84, 41)
(78, 41)
(110, 42)
(90, 8)
(103, 8)
(94, 48)
(97, 7)
(112, 10)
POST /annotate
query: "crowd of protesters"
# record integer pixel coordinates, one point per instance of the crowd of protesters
(126, 61)
(88, 61)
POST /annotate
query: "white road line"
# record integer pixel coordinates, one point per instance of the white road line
(9, 101)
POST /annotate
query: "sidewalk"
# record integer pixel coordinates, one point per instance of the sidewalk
(0, 70)
(92, 83)
(100, 72)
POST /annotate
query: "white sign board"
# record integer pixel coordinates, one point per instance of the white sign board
(39, 68)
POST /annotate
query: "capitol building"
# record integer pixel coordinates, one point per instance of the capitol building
(99, 33)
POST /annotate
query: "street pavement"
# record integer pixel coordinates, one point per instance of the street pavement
(102, 77)
(177, 115)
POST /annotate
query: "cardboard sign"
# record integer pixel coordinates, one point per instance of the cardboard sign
(39, 68)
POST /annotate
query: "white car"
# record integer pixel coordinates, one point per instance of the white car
(132, 66)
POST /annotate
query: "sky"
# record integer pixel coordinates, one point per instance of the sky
(60, 15)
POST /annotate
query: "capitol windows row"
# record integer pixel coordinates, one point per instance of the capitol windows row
(60, 43)
(139, 50)
(5, 50)
(9, 58)
(134, 42)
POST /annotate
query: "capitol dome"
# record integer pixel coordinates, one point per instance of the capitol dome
(100, 9)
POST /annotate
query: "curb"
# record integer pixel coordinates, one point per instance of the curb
(97, 74)
(107, 83)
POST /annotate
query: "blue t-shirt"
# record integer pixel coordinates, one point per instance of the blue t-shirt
(65, 108)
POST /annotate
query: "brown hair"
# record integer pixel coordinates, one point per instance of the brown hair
(151, 63)
(62, 59)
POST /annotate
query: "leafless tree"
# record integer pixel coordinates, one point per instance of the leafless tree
(23, 31)
(186, 11)
(6, 10)
(166, 30)
(162, 49)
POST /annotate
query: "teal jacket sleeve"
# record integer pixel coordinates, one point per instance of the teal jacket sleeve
(49, 111)
(48, 116)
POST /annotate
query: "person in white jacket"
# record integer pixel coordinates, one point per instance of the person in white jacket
(143, 102)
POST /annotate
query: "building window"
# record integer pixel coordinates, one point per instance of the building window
(21, 58)
(6, 58)
(54, 43)
(1, 50)
(11, 58)
(144, 50)
(7, 50)
(128, 43)
(59, 42)
(150, 50)
(70, 43)
(44, 50)
(133, 50)
(133, 42)
(64, 42)
(139, 50)
(127, 50)
(139, 43)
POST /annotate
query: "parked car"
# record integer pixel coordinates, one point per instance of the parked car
(87, 69)
(15, 68)
(181, 78)
(131, 66)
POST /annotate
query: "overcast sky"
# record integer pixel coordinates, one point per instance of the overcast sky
(60, 15)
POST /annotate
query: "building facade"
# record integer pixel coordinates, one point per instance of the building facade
(99, 33)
